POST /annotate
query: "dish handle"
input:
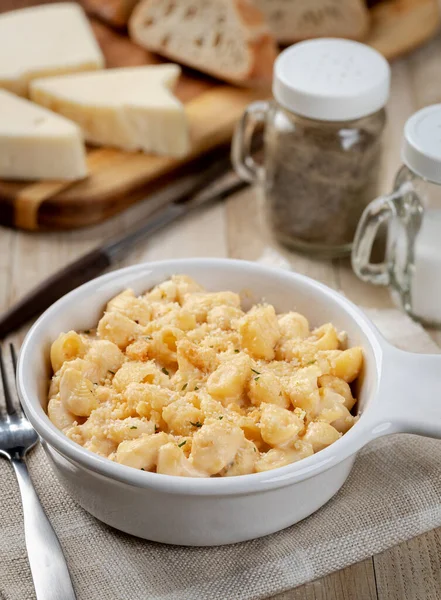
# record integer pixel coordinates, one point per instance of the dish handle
(409, 396)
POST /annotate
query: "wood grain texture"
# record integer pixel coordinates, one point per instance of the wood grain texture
(119, 179)
(354, 583)
(410, 571)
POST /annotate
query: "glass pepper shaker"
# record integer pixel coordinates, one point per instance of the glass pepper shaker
(322, 142)
(412, 214)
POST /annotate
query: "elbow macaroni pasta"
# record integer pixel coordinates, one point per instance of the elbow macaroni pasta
(181, 381)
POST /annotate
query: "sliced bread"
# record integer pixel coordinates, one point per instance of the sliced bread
(228, 39)
(295, 20)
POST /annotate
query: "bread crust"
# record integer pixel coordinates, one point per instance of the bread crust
(316, 18)
(262, 47)
(260, 43)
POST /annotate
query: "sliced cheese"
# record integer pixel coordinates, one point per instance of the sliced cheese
(45, 40)
(38, 144)
(130, 108)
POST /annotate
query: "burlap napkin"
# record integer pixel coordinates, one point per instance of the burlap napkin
(392, 495)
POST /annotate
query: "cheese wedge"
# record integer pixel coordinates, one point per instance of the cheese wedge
(45, 40)
(37, 144)
(130, 108)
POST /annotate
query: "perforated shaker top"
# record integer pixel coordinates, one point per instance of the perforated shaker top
(421, 149)
(331, 79)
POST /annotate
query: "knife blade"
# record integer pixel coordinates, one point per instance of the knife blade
(93, 263)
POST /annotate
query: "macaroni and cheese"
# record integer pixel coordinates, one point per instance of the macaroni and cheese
(182, 381)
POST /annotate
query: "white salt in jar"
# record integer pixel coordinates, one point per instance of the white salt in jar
(412, 213)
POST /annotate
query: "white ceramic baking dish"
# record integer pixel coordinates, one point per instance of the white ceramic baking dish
(399, 392)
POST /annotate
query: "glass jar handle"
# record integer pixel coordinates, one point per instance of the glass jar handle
(378, 212)
(243, 162)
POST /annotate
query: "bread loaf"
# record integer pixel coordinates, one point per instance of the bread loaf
(295, 20)
(228, 39)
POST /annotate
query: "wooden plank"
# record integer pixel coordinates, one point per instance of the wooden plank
(7, 243)
(249, 237)
(401, 105)
(354, 583)
(212, 116)
(412, 570)
(399, 108)
(213, 110)
(212, 107)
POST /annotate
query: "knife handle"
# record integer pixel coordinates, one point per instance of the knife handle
(51, 289)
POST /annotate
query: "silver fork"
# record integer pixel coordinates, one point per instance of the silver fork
(17, 436)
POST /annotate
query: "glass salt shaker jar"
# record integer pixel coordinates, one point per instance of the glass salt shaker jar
(412, 214)
(322, 142)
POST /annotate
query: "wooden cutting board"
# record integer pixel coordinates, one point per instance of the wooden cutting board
(119, 179)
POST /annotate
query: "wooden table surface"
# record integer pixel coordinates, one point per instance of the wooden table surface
(410, 571)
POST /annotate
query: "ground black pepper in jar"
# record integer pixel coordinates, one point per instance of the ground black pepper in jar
(322, 142)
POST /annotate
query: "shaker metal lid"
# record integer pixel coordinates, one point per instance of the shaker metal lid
(331, 79)
(421, 148)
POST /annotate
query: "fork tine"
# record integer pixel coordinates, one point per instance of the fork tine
(6, 390)
(14, 357)
(14, 366)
